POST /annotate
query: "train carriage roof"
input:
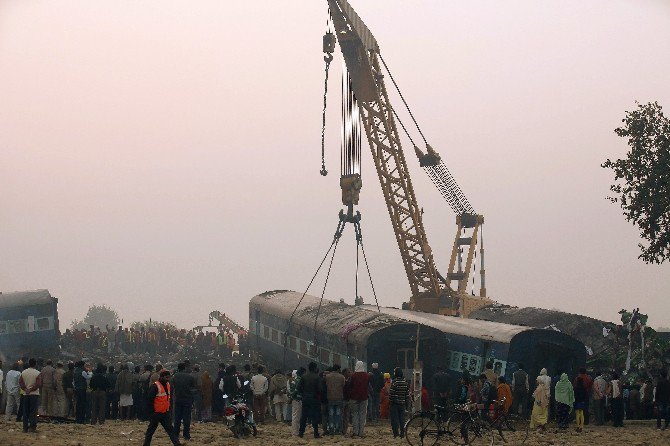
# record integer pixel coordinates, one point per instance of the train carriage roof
(490, 331)
(25, 298)
(354, 323)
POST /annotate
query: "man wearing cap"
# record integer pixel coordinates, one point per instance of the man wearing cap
(158, 408)
(377, 384)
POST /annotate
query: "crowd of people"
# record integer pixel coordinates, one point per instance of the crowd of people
(333, 401)
(152, 340)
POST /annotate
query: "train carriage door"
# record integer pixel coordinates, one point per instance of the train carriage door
(486, 353)
(405, 360)
(31, 324)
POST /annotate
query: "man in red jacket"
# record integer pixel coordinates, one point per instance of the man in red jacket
(359, 399)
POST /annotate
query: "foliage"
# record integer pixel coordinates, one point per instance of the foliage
(642, 179)
(98, 316)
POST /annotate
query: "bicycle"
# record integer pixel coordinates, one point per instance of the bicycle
(466, 427)
(426, 428)
(510, 427)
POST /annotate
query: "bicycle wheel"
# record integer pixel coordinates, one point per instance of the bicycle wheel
(514, 429)
(422, 430)
(453, 428)
(480, 433)
(464, 430)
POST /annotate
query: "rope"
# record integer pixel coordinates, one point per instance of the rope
(403, 98)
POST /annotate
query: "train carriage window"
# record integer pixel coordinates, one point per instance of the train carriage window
(42, 323)
(464, 362)
(455, 360)
(325, 356)
(3, 327)
(266, 332)
(275, 336)
(337, 359)
(473, 367)
(258, 315)
(291, 342)
(18, 326)
(303, 347)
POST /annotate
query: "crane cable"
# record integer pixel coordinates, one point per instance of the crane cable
(359, 241)
(336, 237)
(403, 99)
(328, 58)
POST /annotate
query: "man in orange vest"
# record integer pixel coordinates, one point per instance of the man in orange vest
(158, 408)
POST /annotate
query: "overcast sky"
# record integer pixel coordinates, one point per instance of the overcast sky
(162, 157)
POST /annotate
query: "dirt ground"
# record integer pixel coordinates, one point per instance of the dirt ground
(117, 433)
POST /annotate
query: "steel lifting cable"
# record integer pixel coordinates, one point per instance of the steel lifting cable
(359, 240)
(323, 292)
(402, 97)
(441, 170)
(328, 58)
(338, 233)
(357, 262)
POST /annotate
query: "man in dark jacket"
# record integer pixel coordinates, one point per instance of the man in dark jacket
(520, 390)
(398, 397)
(99, 388)
(158, 409)
(440, 386)
(68, 388)
(377, 384)
(184, 387)
(79, 392)
(308, 387)
(112, 411)
(662, 399)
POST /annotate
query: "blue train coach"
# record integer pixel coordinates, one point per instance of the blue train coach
(285, 335)
(28, 324)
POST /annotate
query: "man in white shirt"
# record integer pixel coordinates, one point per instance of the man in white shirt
(259, 386)
(30, 381)
(13, 396)
(599, 398)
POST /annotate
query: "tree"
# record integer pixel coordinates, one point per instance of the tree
(642, 179)
(98, 316)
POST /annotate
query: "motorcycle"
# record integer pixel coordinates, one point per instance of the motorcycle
(239, 418)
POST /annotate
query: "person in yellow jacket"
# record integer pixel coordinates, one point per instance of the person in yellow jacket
(158, 408)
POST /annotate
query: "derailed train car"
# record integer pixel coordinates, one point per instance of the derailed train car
(344, 334)
(28, 324)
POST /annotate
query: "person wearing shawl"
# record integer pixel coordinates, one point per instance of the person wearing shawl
(564, 394)
(540, 414)
(546, 381)
(504, 392)
(385, 402)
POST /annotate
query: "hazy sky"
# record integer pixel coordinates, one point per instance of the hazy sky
(162, 157)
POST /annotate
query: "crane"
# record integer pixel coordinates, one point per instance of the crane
(430, 291)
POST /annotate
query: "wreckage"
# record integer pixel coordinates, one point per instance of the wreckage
(289, 329)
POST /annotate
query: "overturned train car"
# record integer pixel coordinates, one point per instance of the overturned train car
(28, 324)
(345, 334)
